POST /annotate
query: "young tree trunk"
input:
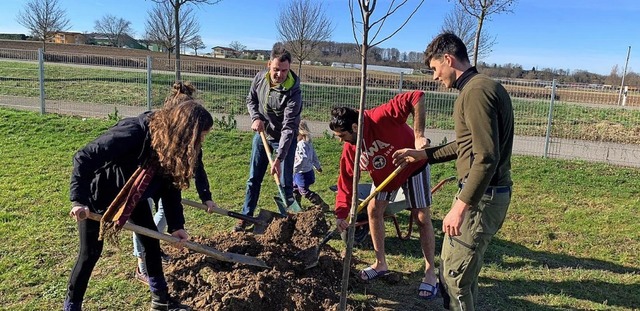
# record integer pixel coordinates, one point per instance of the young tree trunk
(476, 43)
(176, 17)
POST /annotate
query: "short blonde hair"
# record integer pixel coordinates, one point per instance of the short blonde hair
(303, 130)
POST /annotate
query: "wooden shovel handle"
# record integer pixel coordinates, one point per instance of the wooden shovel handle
(379, 188)
(222, 256)
(364, 202)
(268, 152)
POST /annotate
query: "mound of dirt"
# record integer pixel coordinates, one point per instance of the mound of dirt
(205, 283)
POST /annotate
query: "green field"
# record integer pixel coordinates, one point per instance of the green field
(571, 240)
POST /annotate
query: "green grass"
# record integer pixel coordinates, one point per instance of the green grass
(571, 240)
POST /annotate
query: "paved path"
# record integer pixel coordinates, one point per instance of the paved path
(618, 154)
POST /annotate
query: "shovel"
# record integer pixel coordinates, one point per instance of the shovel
(206, 250)
(260, 223)
(282, 200)
(310, 256)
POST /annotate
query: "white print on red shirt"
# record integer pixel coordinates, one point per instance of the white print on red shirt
(379, 150)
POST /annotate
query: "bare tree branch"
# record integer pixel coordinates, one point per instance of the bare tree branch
(195, 44)
(236, 45)
(43, 18)
(353, 23)
(302, 26)
(178, 24)
(464, 26)
(401, 26)
(113, 28)
(160, 26)
(481, 10)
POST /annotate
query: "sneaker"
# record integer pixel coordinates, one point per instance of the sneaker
(241, 225)
(162, 301)
(141, 276)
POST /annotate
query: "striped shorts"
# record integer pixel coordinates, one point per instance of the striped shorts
(417, 190)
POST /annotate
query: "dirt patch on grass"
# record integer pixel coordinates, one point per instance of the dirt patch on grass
(208, 284)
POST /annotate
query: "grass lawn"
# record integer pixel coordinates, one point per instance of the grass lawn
(571, 240)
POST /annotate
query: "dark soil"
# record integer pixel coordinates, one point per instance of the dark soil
(205, 283)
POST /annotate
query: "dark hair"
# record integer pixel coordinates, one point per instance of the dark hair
(180, 91)
(280, 53)
(446, 43)
(343, 118)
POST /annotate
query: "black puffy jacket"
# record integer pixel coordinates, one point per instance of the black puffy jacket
(103, 166)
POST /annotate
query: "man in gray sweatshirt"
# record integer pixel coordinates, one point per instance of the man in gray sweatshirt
(275, 105)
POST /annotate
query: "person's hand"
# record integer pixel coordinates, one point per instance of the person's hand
(408, 155)
(421, 142)
(182, 235)
(210, 206)
(342, 224)
(319, 170)
(257, 126)
(275, 168)
(453, 221)
(79, 212)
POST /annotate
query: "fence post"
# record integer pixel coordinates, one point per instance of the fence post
(550, 119)
(41, 79)
(149, 66)
(624, 95)
(400, 84)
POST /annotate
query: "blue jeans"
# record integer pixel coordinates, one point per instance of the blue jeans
(161, 222)
(257, 169)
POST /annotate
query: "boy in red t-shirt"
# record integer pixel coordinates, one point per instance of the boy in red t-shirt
(385, 131)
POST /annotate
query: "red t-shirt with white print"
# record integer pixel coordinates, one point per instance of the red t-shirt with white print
(385, 131)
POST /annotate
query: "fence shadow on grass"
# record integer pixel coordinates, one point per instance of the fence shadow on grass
(497, 294)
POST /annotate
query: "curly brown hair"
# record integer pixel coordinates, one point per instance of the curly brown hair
(176, 139)
(180, 91)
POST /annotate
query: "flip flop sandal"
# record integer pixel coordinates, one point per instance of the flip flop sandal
(369, 273)
(426, 287)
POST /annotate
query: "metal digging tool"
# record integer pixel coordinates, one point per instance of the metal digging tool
(206, 250)
(311, 255)
(260, 223)
(281, 201)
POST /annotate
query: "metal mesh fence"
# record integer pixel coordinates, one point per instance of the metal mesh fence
(19, 81)
(567, 121)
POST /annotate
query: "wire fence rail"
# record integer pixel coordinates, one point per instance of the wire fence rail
(590, 122)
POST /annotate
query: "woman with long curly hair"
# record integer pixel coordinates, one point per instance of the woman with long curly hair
(180, 92)
(149, 156)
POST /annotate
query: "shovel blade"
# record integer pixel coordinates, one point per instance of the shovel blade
(309, 257)
(264, 218)
(294, 207)
(285, 208)
(282, 205)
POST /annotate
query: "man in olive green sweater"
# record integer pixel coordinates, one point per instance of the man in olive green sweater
(483, 118)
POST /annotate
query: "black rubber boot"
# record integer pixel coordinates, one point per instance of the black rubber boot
(316, 200)
(161, 301)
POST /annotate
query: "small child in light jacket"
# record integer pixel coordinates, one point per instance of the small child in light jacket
(305, 161)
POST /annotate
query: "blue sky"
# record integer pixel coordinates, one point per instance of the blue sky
(591, 35)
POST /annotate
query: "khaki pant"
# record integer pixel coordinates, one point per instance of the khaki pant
(463, 256)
